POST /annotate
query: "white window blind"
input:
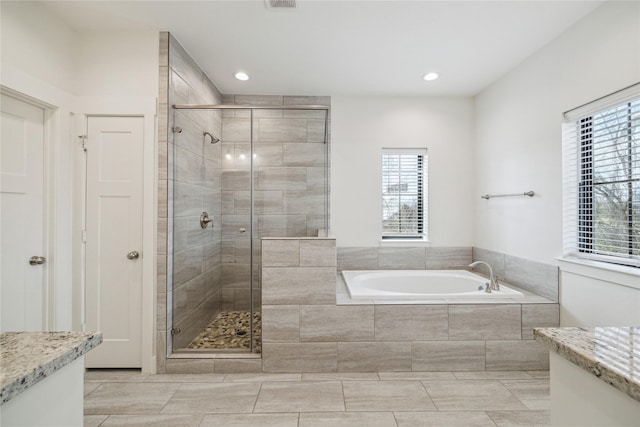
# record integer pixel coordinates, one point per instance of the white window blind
(601, 188)
(404, 193)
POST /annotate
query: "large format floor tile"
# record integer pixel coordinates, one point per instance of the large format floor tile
(340, 376)
(250, 420)
(216, 398)
(492, 375)
(261, 377)
(520, 418)
(153, 420)
(300, 397)
(114, 376)
(529, 390)
(416, 376)
(386, 396)
(94, 420)
(89, 387)
(347, 419)
(185, 378)
(468, 395)
(128, 398)
(440, 419)
(338, 399)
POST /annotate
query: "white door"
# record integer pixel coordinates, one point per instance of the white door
(114, 240)
(21, 216)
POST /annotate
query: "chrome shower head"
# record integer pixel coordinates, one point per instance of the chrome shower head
(213, 138)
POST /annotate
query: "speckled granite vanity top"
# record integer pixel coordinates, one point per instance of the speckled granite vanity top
(611, 354)
(28, 357)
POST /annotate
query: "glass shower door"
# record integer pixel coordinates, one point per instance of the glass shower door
(256, 172)
(209, 289)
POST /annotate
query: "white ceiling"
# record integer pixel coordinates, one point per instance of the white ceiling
(344, 47)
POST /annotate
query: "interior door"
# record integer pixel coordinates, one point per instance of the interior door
(114, 240)
(21, 216)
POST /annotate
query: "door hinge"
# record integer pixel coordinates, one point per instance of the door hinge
(84, 236)
(83, 141)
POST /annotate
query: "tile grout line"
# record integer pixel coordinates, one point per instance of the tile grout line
(169, 399)
(201, 419)
(428, 395)
(491, 418)
(395, 420)
(344, 399)
(253, 410)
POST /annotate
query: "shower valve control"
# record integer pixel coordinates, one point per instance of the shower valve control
(205, 220)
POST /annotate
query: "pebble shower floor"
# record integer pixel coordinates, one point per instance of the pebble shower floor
(230, 330)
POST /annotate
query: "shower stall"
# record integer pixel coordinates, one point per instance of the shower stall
(237, 173)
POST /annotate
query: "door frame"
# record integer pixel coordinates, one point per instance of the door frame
(50, 127)
(145, 107)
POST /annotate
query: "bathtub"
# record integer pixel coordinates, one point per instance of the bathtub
(421, 285)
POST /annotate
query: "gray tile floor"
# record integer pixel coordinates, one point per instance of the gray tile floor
(395, 399)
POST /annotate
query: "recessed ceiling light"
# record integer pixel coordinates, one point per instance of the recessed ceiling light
(430, 76)
(242, 76)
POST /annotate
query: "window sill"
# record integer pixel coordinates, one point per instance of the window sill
(617, 274)
(404, 243)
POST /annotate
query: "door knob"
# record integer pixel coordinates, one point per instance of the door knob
(133, 255)
(37, 260)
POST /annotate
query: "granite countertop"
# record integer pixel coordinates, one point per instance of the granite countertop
(28, 357)
(610, 353)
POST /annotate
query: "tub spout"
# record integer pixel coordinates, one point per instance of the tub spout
(493, 284)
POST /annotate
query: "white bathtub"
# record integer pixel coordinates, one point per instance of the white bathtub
(420, 285)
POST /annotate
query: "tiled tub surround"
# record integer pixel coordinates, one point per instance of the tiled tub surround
(535, 277)
(305, 331)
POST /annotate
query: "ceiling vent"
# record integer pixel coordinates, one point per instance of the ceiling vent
(280, 4)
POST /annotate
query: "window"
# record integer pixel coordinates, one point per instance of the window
(602, 179)
(404, 191)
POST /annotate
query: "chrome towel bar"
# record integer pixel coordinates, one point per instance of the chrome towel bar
(489, 196)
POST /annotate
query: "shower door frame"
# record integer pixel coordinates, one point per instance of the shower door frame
(170, 350)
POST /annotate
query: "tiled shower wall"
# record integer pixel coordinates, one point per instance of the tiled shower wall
(290, 162)
(196, 292)
(189, 181)
(212, 266)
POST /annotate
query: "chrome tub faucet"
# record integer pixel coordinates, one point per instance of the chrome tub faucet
(493, 284)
